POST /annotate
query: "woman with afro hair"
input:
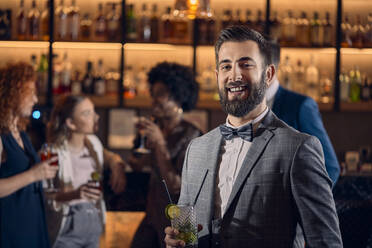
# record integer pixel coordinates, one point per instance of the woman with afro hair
(173, 91)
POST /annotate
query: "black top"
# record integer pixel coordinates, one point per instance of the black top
(22, 218)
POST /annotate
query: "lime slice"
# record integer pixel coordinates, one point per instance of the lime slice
(172, 211)
(188, 237)
(95, 176)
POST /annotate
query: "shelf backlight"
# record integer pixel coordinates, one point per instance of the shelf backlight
(356, 51)
(87, 45)
(23, 44)
(151, 47)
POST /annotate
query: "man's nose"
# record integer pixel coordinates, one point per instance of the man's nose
(236, 74)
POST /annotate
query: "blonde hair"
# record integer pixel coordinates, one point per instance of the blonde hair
(57, 130)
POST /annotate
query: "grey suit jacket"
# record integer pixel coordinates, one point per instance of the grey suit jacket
(282, 183)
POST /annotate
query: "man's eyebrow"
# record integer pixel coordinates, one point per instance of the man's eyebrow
(224, 61)
(245, 58)
(239, 60)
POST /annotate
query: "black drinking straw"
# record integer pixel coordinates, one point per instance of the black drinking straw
(166, 188)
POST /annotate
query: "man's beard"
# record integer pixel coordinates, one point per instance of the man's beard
(241, 107)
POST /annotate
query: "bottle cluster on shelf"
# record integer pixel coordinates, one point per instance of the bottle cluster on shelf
(303, 31)
(306, 79)
(96, 80)
(355, 86)
(357, 34)
(174, 25)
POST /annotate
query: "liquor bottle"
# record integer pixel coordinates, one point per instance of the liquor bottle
(181, 24)
(327, 32)
(312, 80)
(112, 78)
(129, 83)
(76, 84)
(33, 20)
(238, 19)
(248, 19)
(303, 31)
(33, 62)
(86, 27)
(316, 31)
(368, 34)
(88, 79)
(142, 85)
(358, 34)
(113, 21)
(99, 80)
(211, 25)
(61, 21)
(275, 27)
(260, 22)
(346, 33)
(5, 24)
(22, 22)
(325, 88)
(299, 82)
(144, 30)
(65, 75)
(45, 22)
(366, 94)
(166, 28)
(56, 80)
(100, 25)
(201, 21)
(289, 30)
(227, 19)
(355, 84)
(74, 21)
(286, 74)
(207, 81)
(42, 75)
(154, 37)
(131, 24)
(344, 86)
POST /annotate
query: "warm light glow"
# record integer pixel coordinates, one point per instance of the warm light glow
(192, 8)
(151, 47)
(307, 50)
(356, 51)
(24, 44)
(87, 45)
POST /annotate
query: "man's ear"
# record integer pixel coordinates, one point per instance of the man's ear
(70, 124)
(216, 71)
(270, 74)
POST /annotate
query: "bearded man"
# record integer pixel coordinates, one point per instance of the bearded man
(253, 179)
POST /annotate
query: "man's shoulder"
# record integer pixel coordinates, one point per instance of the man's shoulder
(283, 131)
(295, 97)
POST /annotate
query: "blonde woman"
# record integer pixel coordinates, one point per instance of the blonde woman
(71, 131)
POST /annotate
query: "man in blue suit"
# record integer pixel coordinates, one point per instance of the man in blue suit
(302, 113)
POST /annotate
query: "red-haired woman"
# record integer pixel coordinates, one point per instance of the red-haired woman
(22, 218)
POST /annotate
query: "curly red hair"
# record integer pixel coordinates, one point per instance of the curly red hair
(13, 79)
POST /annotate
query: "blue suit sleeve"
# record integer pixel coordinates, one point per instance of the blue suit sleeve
(311, 123)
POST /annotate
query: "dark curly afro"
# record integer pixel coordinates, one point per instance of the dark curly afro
(180, 82)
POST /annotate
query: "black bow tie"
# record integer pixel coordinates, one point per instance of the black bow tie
(245, 132)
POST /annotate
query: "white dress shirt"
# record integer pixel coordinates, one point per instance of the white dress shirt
(231, 159)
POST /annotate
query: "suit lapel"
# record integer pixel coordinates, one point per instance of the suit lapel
(205, 178)
(264, 134)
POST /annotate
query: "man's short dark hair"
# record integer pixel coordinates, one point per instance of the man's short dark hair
(240, 34)
(180, 82)
(275, 52)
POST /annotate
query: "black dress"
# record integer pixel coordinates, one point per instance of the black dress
(22, 218)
